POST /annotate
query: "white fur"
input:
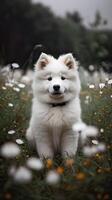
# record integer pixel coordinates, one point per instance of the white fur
(51, 127)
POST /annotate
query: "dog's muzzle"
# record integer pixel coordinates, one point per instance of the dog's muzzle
(56, 90)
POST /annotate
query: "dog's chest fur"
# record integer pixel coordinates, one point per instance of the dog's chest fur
(55, 120)
(57, 117)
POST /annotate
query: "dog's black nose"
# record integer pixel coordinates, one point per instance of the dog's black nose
(56, 87)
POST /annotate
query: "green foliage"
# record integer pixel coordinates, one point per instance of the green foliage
(23, 25)
(88, 178)
(75, 17)
(98, 21)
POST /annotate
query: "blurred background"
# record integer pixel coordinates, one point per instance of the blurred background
(81, 27)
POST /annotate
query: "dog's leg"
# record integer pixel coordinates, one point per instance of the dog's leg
(44, 144)
(30, 136)
(69, 143)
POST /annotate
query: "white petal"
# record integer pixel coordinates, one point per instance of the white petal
(87, 97)
(10, 150)
(10, 105)
(91, 86)
(35, 163)
(90, 131)
(91, 67)
(11, 132)
(101, 92)
(15, 65)
(89, 150)
(21, 85)
(16, 89)
(19, 141)
(78, 127)
(22, 175)
(9, 84)
(12, 170)
(110, 82)
(95, 142)
(52, 177)
(101, 130)
(4, 88)
(101, 85)
(101, 147)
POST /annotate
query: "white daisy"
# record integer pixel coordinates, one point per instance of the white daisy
(10, 105)
(101, 130)
(10, 150)
(12, 170)
(91, 86)
(91, 67)
(110, 81)
(9, 84)
(11, 132)
(90, 150)
(21, 85)
(52, 177)
(101, 85)
(101, 147)
(101, 92)
(19, 141)
(95, 142)
(35, 163)
(15, 65)
(22, 175)
(16, 89)
(4, 88)
(79, 126)
(90, 131)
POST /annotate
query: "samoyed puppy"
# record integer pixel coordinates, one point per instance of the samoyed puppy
(55, 106)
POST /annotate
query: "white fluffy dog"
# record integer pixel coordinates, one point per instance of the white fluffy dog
(56, 106)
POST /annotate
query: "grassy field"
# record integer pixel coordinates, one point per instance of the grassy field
(89, 178)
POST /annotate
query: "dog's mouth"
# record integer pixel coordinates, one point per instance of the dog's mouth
(56, 95)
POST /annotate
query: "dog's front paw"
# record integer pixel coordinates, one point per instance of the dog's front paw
(68, 154)
(45, 154)
(44, 151)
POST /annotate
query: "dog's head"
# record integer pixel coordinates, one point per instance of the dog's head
(56, 80)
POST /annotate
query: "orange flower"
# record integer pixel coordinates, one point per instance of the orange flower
(8, 196)
(69, 162)
(60, 170)
(80, 176)
(100, 170)
(99, 156)
(87, 163)
(106, 196)
(108, 146)
(99, 196)
(49, 163)
(107, 169)
(69, 187)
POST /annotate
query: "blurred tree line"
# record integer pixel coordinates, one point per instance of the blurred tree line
(23, 25)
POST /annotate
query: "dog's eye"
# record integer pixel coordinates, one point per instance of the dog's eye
(63, 78)
(50, 78)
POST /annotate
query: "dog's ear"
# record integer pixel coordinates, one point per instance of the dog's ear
(69, 61)
(42, 61)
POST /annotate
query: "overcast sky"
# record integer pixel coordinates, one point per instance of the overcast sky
(87, 8)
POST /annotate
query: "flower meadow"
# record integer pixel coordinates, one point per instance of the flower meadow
(23, 175)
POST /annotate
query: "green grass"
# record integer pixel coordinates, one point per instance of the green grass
(96, 172)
